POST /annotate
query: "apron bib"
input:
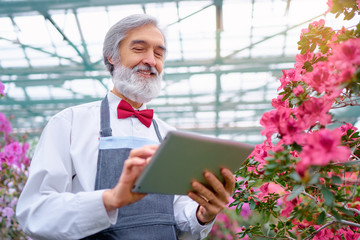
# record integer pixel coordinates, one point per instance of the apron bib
(151, 218)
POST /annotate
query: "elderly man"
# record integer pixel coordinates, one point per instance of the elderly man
(89, 156)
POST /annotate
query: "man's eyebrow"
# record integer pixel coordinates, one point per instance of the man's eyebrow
(133, 42)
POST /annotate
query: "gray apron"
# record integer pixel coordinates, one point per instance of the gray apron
(152, 217)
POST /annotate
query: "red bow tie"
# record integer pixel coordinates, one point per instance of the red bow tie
(125, 110)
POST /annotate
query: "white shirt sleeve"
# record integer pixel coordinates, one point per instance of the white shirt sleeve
(47, 208)
(185, 217)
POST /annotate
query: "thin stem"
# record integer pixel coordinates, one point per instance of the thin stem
(255, 235)
(352, 209)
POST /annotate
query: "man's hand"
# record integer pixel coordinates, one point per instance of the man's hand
(212, 200)
(122, 195)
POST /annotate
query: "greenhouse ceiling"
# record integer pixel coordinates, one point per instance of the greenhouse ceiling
(222, 69)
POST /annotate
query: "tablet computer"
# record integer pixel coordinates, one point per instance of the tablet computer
(183, 157)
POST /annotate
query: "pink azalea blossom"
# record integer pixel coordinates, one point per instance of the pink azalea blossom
(245, 211)
(319, 23)
(301, 59)
(278, 102)
(346, 54)
(322, 79)
(281, 121)
(298, 90)
(324, 234)
(8, 213)
(345, 233)
(323, 147)
(330, 5)
(347, 126)
(288, 76)
(314, 110)
(289, 206)
(272, 120)
(259, 154)
(13, 154)
(5, 125)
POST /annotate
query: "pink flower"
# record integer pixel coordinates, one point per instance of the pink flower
(323, 147)
(245, 211)
(288, 76)
(272, 120)
(259, 154)
(8, 213)
(346, 127)
(346, 234)
(322, 79)
(298, 90)
(5, 125)
(301, 59)
(358, 4)
(289, 206)
(14, 154)
(346, 54)
(324, 234)
(319, 23)
(345, 59)
(330, 5)
(278, 102)
(314, 110)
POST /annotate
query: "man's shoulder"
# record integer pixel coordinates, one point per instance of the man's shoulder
(163, 125)
(85, 108)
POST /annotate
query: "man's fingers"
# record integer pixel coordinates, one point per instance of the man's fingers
(217, 186)
(229, 180)
(143, 152)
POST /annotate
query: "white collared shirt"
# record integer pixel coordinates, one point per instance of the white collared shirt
(54, 205)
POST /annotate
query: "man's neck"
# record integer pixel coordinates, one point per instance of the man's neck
(132, 103)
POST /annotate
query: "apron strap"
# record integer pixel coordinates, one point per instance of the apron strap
(157, 130)
(105, 129)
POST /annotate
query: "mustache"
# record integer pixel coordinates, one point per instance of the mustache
(142, 67)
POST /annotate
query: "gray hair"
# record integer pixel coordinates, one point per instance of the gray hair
(119, 31)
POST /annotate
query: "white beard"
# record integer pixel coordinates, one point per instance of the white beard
(134, 87)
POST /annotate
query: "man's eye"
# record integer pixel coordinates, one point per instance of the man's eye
(159, 54)
(137, 49)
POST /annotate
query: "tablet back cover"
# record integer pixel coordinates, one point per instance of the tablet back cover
(183, 157)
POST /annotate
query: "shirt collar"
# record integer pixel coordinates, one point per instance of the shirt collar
(114, 101)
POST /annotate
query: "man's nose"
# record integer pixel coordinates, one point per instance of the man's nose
(149, 59)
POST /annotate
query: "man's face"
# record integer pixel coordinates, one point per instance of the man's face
(143, 46)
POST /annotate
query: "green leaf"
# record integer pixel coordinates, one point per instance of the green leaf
(321, 218)
(328, 196)
(296, 192)
(252, 204)
(295, 176)
(336, 179)
(309, 218)
(336, 215)
(312, 47)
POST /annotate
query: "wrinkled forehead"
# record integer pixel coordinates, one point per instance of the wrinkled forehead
(146, 34)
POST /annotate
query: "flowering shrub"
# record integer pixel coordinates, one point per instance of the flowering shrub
(13, 174)
(311, 157)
